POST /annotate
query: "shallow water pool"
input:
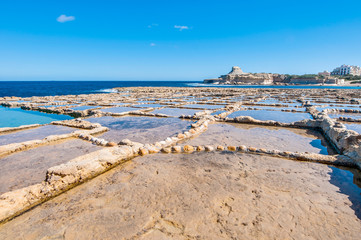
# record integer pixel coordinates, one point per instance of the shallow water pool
(204, 106)
(354, 126)
(351, 115)
(283, 139)
(118, 109)
(151, 105)
(140, 129)
(29, 167)
(264, 115)
(82, 108)
(15, 117)
(176, 112)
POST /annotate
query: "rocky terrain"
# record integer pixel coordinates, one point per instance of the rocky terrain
(184, 163)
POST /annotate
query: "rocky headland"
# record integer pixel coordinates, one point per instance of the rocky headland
(237, 77)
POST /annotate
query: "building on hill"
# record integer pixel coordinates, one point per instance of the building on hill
(347, 70)
(316, 80)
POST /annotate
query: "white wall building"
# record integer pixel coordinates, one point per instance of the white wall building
(347, 70)
(324, 73)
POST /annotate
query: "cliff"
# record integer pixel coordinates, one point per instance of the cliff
(236, 77)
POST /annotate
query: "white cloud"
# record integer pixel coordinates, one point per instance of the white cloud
(63, 18)
(152, 44)
(181, 27)
(153, 25)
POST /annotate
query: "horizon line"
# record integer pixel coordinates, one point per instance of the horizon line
(101, 80)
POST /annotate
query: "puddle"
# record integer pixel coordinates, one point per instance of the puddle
(349, 182)
(119, 109)
(285, 117)
(140, 129)
(277, 101)
(154, 105)
(145, 102)
(335, 107)
(353, 116)
(203, 106)
(332, 104)
(56, 106)
(218, 112)
(29, 167)
(82, 108)
(170, 103)
(274, 108)
(353, 126)
(119, 104)
(34, 134)
(176, 112)
(283, 139)
(14, 117)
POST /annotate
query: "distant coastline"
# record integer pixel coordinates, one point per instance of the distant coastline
(53, 88)
(238, 77)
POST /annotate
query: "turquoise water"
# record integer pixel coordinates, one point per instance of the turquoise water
(14, 117)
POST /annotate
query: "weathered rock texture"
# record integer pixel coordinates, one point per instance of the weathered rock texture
(192, 191)
(197, 196)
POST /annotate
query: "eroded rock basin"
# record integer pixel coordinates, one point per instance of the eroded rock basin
(354, 126)
(140, 129)
(119, 109)
(283, 139)
(32, 134)
(25, 168)
(285, 117)
(199, 196)
(176, 112)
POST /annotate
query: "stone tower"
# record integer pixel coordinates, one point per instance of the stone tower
(236, 71)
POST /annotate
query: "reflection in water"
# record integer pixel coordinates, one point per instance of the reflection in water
(283, 139)
(265, 115)
(349, 182)
(118, 109)
(176, 112)
(82, 108)
(32, 134)
(218, 112)
(353, 126)
(336, 107)
(140, 129)
(346, 115)
(204, 106)
(322, 145)
(152, 105)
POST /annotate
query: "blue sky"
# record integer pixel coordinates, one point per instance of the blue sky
(174, 40)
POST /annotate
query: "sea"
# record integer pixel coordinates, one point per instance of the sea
(13, 117)
(53, 88)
